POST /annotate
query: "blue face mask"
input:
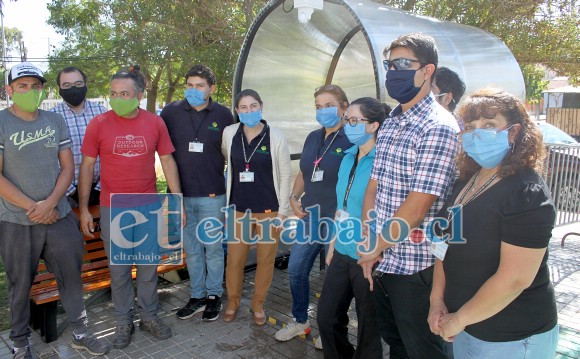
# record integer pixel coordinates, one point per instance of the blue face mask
(327, 116)
(250, 119)
(357, 135)
(400, 85)
(194, 97)
(487, 147)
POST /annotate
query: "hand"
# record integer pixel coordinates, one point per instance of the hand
(328, 258)
(53, 218)
(282, 218)
(436, 312)
(297, 208)
(183, 218)
(450, 326)
(367, 267)
(87, 225)
(40, 212)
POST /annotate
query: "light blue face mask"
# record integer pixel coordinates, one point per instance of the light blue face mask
(328, 116)
(487, 147)
(250, 119)
(194, 97)
(357, 135)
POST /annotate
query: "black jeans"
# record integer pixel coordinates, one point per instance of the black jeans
(402, 315)
(344, 281)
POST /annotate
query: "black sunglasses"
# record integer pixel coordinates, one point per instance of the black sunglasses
(400, 64)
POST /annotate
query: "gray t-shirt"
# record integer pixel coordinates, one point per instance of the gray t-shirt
(30, 150)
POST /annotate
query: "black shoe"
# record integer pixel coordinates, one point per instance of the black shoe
(213, 305)
(122, 337)
(156, 327)
(192, 307)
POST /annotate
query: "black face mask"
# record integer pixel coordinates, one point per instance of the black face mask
(74, 96)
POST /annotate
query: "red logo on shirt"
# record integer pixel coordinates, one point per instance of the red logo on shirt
(130, 146)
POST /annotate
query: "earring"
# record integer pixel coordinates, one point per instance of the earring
(512, 146)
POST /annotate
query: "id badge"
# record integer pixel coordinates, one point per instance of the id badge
(439, 250)
(246, 176)
(317, 176)
(196, 147)
(341, 215)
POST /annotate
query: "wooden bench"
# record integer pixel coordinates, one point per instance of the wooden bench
(95, 275)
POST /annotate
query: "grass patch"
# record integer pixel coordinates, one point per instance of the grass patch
(4, 311)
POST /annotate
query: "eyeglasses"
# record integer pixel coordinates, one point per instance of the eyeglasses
(353, 121)
(441, 94)
(401, 64)
(67, 85)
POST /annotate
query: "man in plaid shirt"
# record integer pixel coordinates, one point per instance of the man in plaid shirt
(77, 112)
(413, 172)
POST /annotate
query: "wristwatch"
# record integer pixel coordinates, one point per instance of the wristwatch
(295, 197)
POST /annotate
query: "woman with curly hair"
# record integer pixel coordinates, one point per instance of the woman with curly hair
(492, 295)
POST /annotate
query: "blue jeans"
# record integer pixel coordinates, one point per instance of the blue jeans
(205, 262)
(302, 257)
(539, 346)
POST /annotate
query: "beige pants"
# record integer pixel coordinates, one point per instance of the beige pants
(237, 255)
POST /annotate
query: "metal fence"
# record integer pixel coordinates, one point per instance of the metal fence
(563, 178)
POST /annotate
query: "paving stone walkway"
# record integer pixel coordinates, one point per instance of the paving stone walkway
(193, 338)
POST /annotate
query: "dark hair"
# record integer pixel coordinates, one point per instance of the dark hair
(201, 71)
(528, 148)
(371, 109)
(133, 73)
(448, 81)
(422, 45)
(334, 90)
(245, 93)
(68, 70)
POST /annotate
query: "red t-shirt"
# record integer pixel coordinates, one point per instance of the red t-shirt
(127, 150)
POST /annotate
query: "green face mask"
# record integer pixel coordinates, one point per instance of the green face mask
(124, 107)
(29, 101)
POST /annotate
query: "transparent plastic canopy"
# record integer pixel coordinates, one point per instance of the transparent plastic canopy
(285, 60)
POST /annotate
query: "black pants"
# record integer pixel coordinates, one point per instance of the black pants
(402, 315)
(344, 281)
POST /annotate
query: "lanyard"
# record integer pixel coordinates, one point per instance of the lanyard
(317, 162)
(203, 115)
(485, 185)
(350, 181)
(247, 160)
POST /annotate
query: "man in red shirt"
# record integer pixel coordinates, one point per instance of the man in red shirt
(126, 140)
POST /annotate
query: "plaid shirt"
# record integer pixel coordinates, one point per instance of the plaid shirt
(77, 125)
(416, 152)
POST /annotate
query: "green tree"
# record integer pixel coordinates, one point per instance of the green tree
(164, 38)
(534, 77)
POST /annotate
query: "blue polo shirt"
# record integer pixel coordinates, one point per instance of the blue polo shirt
(356, 195)
(201, 174)
(322, 193)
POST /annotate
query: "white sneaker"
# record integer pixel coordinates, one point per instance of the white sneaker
(318, 343)
(292, 329)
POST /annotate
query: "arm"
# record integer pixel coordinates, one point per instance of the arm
(43, 210)
(437, 308)
(11, 193)
(172, 176)
(517, 269)
(298, 190)
(86, 171)
(285, 177)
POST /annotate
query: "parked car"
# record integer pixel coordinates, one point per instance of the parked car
(563, 167)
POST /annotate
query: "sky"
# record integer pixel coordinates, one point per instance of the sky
(37, 34)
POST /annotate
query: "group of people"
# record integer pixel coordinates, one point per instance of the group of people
(491, 296)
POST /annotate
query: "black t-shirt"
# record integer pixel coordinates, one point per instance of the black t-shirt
(517, 210)
(201, 174)
(258, 196)
(322, 193)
